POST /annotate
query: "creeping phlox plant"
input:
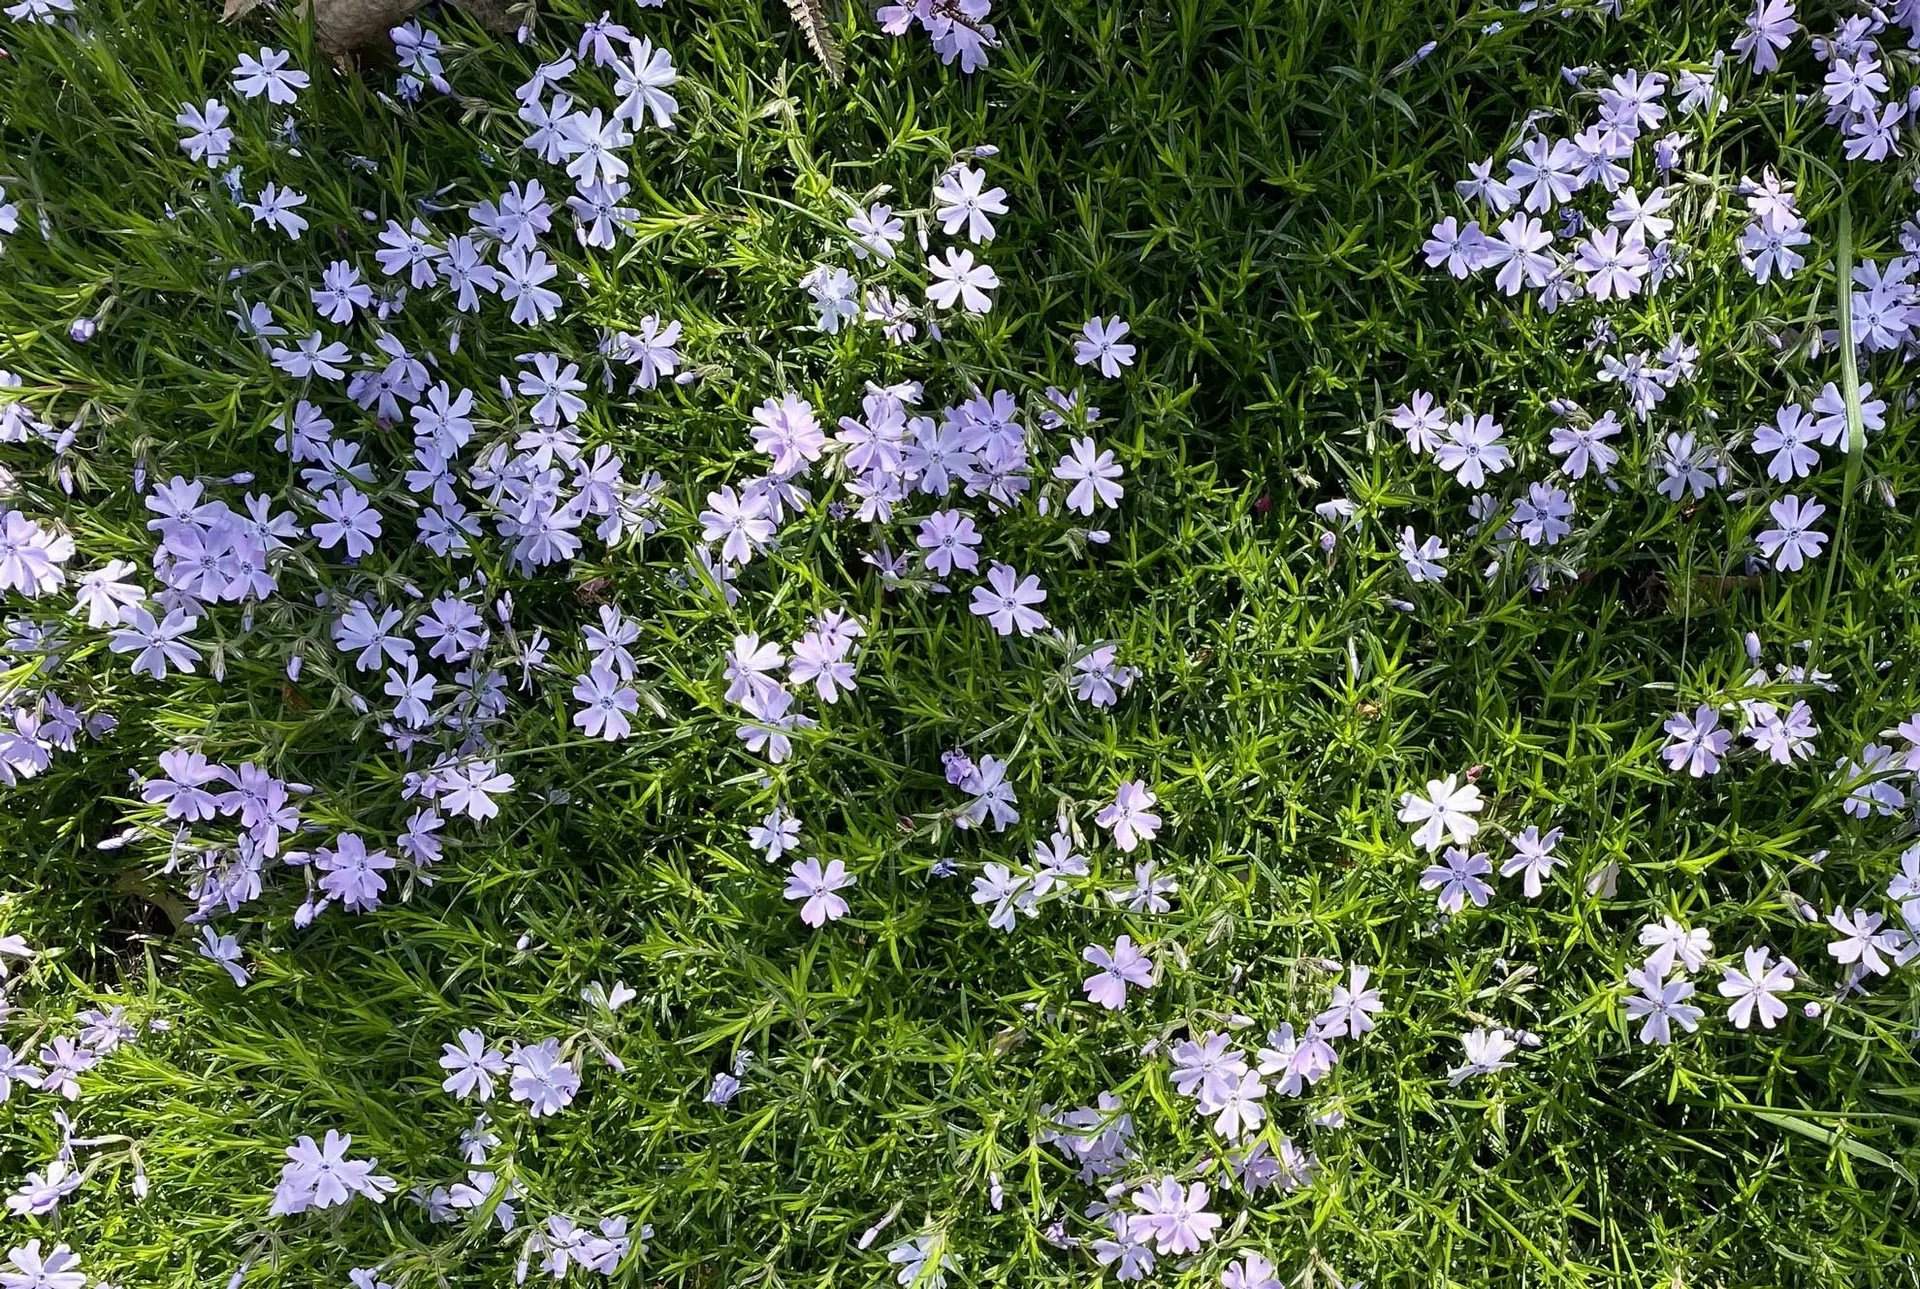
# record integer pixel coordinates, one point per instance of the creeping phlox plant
(523, 513)
(1630, 218)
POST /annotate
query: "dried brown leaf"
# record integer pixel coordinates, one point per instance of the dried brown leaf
(811, 18)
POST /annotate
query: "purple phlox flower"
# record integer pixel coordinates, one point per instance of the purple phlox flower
(1148, 892)
(1462, 249)
(1422, 558)
(1461, 877)
(65, 1061)
(269, 74)
(541, 1079)
(654, 352)
(1350, 1011)
(57, 1269)
(788, 431)
(1541, 516)
(1756, 988)
(750, 664)
(1904, 888)
(1130, 817)
(819, 889)
(1831, 408)
(1239, 1112)
(1660, 1005)
(321, 1176)
(1485, 1051)
(209, 137)
(351, 873)
(468, 787)
(1100, 345)
(1790, 441)
(1870, 781)
(1533, 856)
(182, 785)
(41, 1195)
(1674, 945)
(741, 524)
(607, 703)
(949, 539)
(1769, 30)
(1007, 601)
(958, 279)
(1206, 1067)
(1794, 541)
(224, 950)
(1250, 1271)
(1695, 742)
(993, 797)
(1784, 738)
(775, 835)
(826, 661)
(641, 81)
(1099, 679)
(472, 1066)
(1422, 421)
(1445, 811)
(913, 1257)
(876, 231)
(1861, 944)
(1471, 449)
(1122, 966)
(963, 201)
(482, 1188)
(1094, 474)
(1175, 1216)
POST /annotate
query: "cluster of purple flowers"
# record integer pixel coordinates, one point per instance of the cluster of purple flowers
(957, 28)
(543, 1078)
(506, 484)
(1628, 252)
(1866, 785)
(1619, 258)
(42, 724)
(62, 1060)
